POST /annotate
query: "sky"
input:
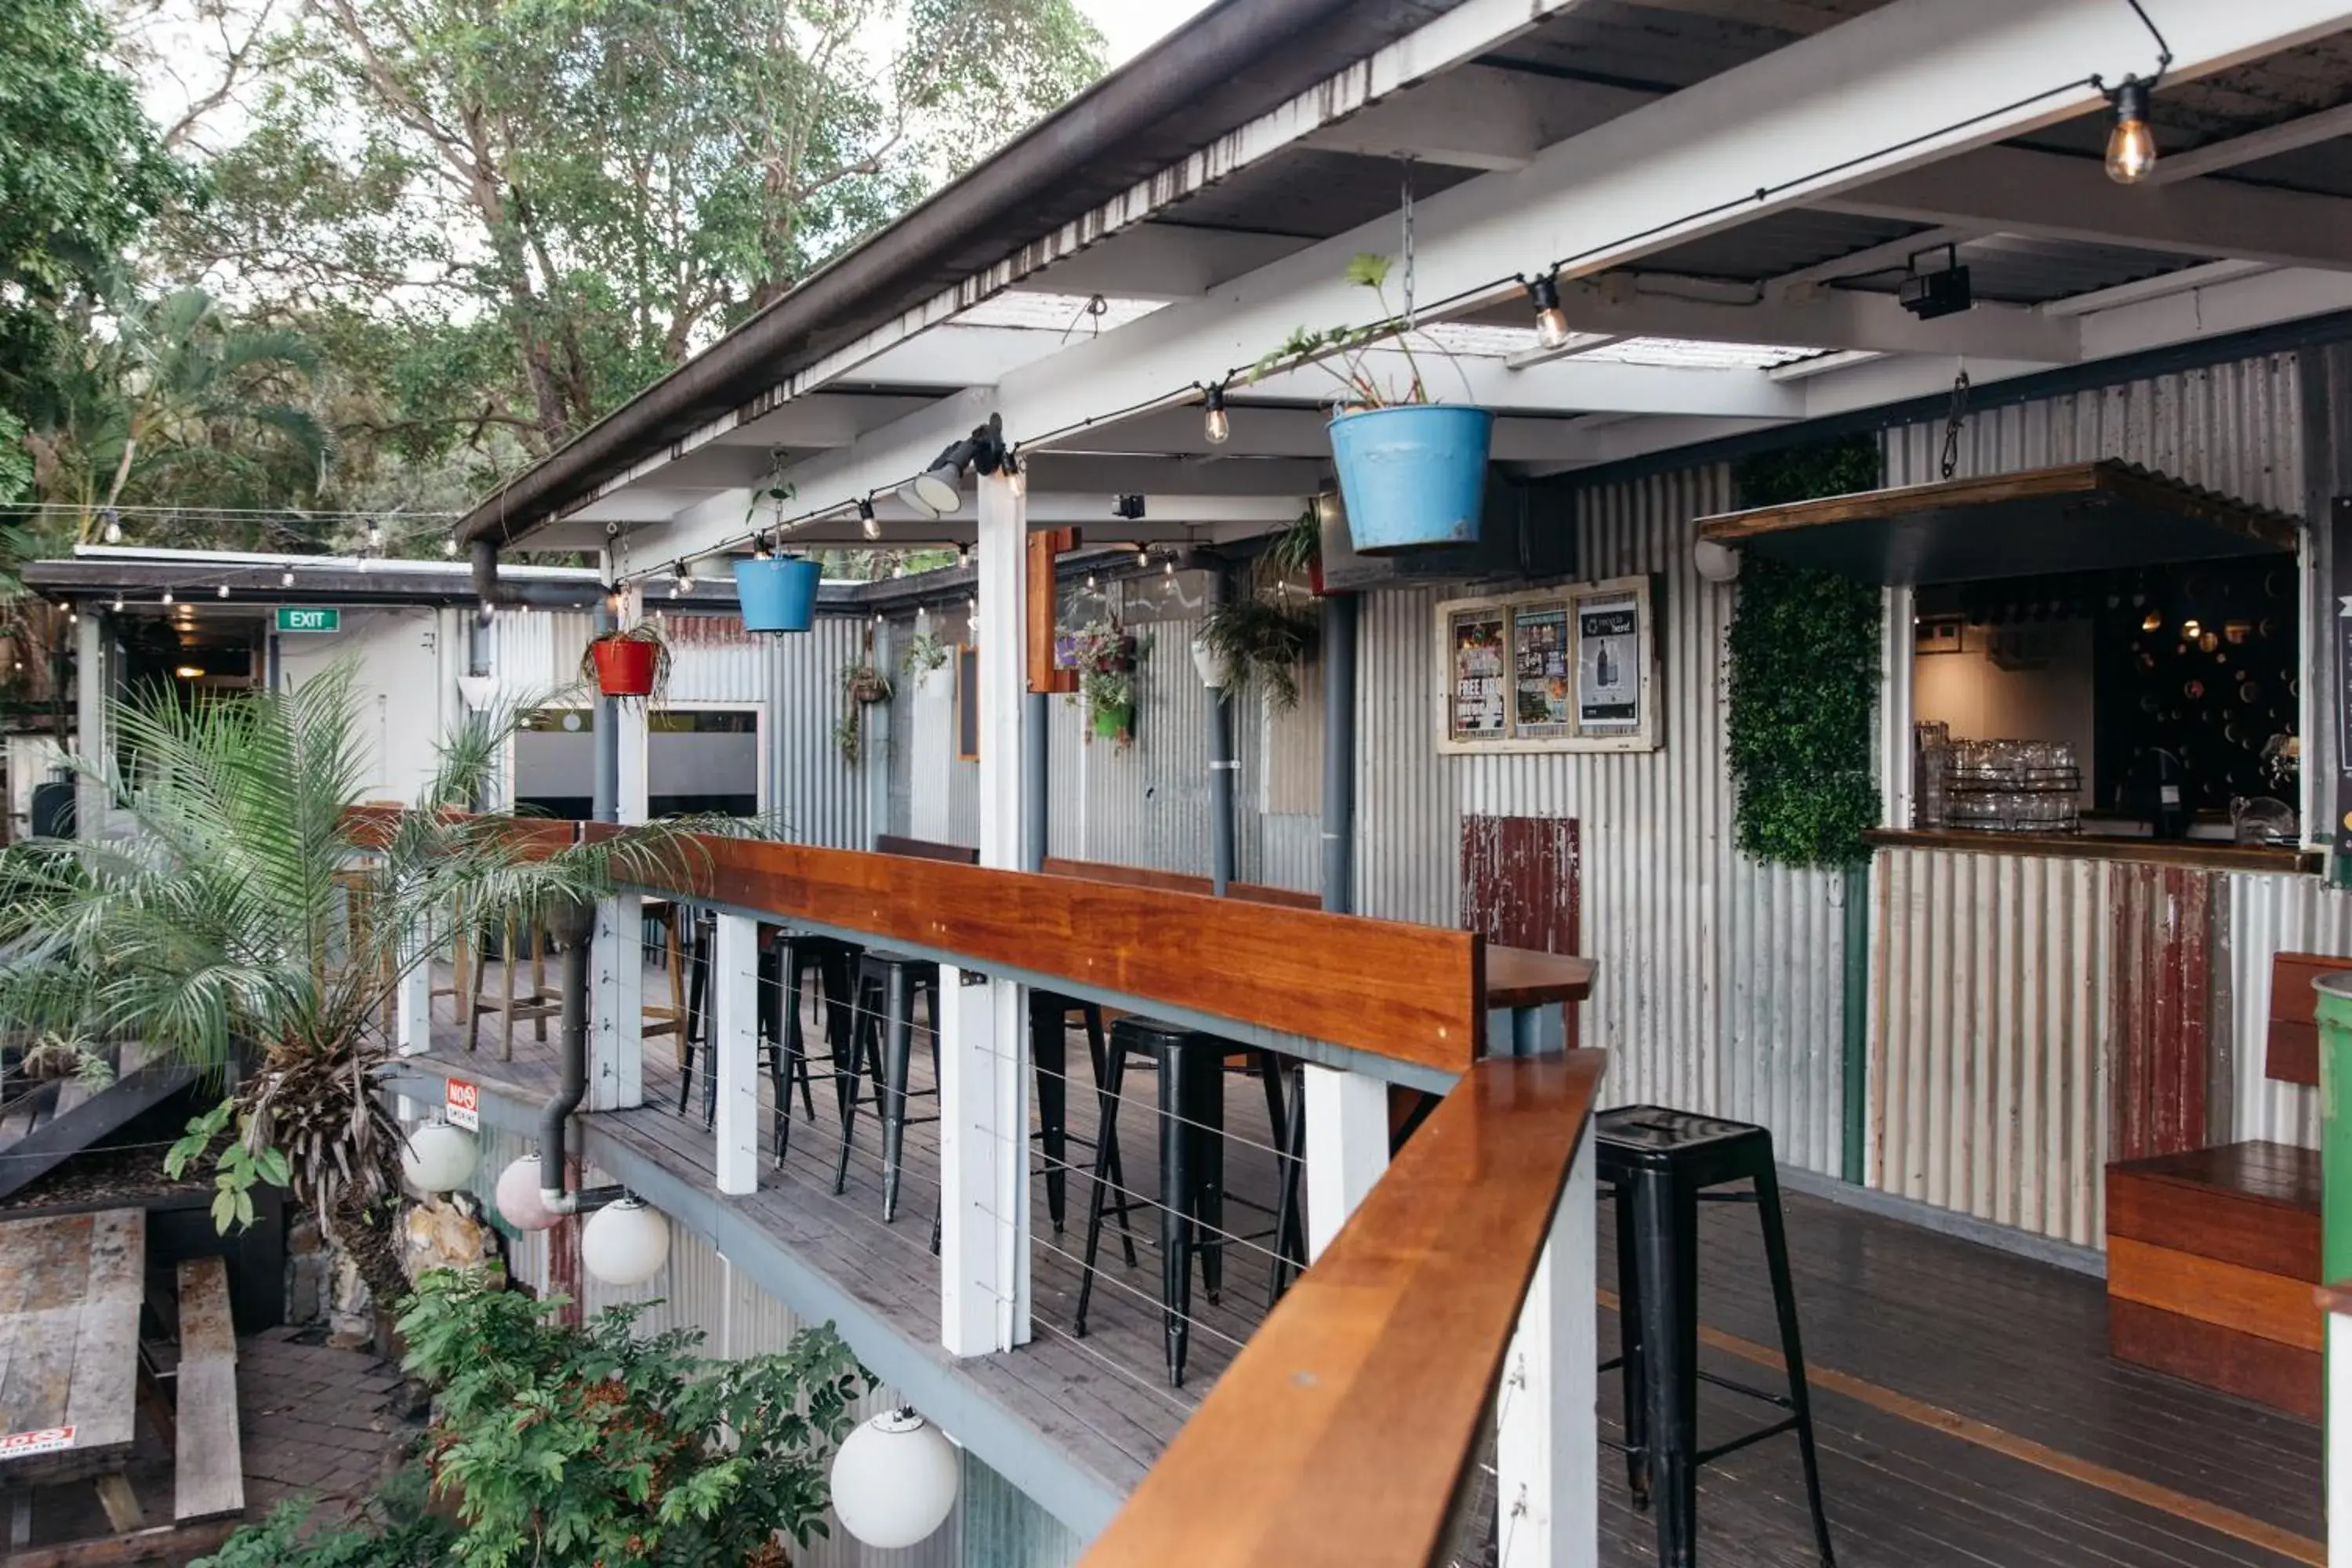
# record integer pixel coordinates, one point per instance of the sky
(1131, 26)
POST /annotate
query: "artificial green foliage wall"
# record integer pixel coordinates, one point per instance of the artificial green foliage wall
(1804, 664)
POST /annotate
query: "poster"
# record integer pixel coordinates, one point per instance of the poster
(1475, 645)
(1540, 673)
(1608, 664)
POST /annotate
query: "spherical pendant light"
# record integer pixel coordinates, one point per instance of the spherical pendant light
(437, 1157)
(895, 1480)
(518, 1196)
(624, 1243)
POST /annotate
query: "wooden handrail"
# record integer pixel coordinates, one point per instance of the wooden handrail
(1344, 1430)
(1178, 883)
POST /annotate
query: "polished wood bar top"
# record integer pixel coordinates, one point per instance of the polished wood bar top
(1524, 977)
(2197, 854)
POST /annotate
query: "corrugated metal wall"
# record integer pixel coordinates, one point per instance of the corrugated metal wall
(2270, 915)
(1993, 1000)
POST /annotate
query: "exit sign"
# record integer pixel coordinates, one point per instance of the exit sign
(295, 618)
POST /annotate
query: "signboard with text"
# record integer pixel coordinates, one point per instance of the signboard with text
(462, 1105)
(309, 618)
(24, 1445)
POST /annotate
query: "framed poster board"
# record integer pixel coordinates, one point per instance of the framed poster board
(1559, 670)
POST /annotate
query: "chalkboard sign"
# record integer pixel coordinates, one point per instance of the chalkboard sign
(966, 703)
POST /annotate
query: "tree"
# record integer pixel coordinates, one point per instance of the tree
(222, 930)
(563, 1446)
(606, 183)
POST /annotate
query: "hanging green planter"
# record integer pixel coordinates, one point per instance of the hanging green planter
(1116, 722)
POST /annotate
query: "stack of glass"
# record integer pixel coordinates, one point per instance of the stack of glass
(2013, 786)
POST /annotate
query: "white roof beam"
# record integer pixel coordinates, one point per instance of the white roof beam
(1560, 386)
(1805, 281)
(2018, 191)
(1834, 319)
(1162, 260)
(1890, 90)
(2157, 288)
(2215, 156)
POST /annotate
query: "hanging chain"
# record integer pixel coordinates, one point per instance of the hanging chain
(1406, 160)
(1952, 424)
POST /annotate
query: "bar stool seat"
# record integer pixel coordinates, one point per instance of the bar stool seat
(1192, 1193)
(1660, 1162)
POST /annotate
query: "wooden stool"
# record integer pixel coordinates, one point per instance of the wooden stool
(537, 1005)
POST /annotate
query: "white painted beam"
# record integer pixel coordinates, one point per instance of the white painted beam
(1860, 263)
(1163, 260)
(1347, 1147)
(1889, 92)
(733, 1056)
(1553, 387)
(1825, 318)
(2302, 131)
(1546, 1432)
(2157, 288)
(2017, 190)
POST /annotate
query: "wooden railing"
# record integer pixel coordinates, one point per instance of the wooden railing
(1344, 1430)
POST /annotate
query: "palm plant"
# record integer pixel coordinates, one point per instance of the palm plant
(239, 925)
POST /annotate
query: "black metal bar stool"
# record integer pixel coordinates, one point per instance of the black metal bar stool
(888, 985)
(1049, 1023)
(1660, 1163)
(787, 963)
(1192, 1069)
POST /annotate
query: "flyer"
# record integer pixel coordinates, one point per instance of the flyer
(1541, 676)
(1609, 664)
(1478, 711)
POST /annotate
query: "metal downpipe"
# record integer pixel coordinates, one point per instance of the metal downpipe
(572, 926)
(1339, 752)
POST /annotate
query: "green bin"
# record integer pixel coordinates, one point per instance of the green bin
(2335, 1011)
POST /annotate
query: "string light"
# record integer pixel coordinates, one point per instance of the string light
(223, 589)
(685, 582)
(374, 536)
(1092, 586)
(760, 550)
(118, 603)
(286, 578)
(1551, 321)
(112, 533)
(1169, 566)
(167, 595)
(449, 545)
(2131, 144)
(867, 523)
(1216, 425)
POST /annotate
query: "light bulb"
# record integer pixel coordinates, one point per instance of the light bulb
(167, 595)
(760, 550)
(286, 578)
(685, 583)
(867, 523)
(1016, 478)
(449, 545)
(118, 603)
(1091, 584)
(1551, 321)
(223, 589)
(376, 536)
(1215, 424)
(114, 528)
(2131, 144)
(1170, 568)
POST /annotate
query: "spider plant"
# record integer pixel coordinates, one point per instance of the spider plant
(237, 924)
(1264, 637)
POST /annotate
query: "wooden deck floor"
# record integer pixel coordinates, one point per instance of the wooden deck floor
(1967, 1409)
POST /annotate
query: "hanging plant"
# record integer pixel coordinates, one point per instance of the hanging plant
(924, 653)
(1804, 667)
(863, 685)
(633, 665)
(1297, 549)
(1261, 637)
(1105, 658)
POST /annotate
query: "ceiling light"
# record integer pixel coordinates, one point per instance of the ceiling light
(223, 589)
(2131, 144)
(286, 578)
(933, 493)
(1551, 321)
(190, 672)
(1215, 424)
(867, 523)
(167, 595)
(112, 532)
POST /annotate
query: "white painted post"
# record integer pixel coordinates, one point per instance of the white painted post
(412, 1004)
(984, 1036)
(1547, 1434)
(616, 978)
(735, 1049)
(2339, 1445)
(1347, 1147)
(93, 717)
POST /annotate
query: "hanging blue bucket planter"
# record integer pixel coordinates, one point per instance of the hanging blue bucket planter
(1414, 476)
(777, 594)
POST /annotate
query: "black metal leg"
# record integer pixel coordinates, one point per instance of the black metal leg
(860, 1041)
(1668, 1269)
(798, 991)
(1049, 1053)
(899, 1030)
(1107, 1158)
(1630, 1363)
(1109, 1074)
(1205, 1118)
(1290, 1219)
(1178, 1194)
(792, 1044)
(1784, 1303)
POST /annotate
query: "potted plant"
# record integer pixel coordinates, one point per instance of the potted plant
(1105, 658)
(924, 657)
(1297, 549)
(861, 684)
(1412, 471)
(1263, 637)
(777, 593)
(630, 663)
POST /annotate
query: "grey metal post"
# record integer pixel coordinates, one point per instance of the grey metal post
(1339, 752)
(1222, 767)
(607, 802)
(879, 739)
(1037, 764)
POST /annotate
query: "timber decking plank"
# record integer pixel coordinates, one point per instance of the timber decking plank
(208, 1470)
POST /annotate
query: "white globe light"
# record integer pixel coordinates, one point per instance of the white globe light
(437, 1157)
(1716, 561)
(895, 1480)
(518, 1196)
(624, 1243)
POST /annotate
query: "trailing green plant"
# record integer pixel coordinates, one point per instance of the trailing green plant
(1297, 548)
(1264, 638)
(923, 654)
(849, 736)
(220, 928)
(571, 1446)
(1105, 658)
(646, 631)
(1362, 384)
(1803, 672)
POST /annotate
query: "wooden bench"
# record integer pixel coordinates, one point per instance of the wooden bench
(208, 1471)
(2212, 1255)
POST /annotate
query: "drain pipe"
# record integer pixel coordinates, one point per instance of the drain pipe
(1339, 752)
(571, 924)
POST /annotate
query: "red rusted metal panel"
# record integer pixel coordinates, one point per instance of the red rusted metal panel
(2159, 1041)
(1520, 884)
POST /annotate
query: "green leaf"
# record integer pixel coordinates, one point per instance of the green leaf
(224, 1210)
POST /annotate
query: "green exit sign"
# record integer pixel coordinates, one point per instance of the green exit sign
(295, 618)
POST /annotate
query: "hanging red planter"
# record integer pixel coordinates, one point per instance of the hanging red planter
(624, 667)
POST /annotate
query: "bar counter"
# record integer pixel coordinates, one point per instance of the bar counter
(2199, 854)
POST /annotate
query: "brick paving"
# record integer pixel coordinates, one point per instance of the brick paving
(317, 1420)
